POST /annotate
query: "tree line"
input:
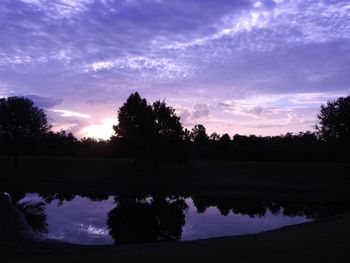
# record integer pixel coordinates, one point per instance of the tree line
(154, 133)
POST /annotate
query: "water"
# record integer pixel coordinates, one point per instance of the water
(132, 219)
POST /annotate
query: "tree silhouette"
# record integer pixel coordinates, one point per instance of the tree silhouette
(136, 220)
(199, 134)
(214, 136)
(135, 126)
(335, 119)
(149, 130)
(34, 213)
(168, 133)
(200, 140)
(60, 143)
(167, 124)
(256, 208)
(21, 122)
(224, 146)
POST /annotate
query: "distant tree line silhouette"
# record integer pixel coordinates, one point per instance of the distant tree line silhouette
(153, 133)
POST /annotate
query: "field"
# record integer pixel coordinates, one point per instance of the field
(278, 181)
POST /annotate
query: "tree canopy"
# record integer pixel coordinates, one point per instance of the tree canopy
(334, 119)
(135, 119)
(20, 123)
(167, 124)
(19, 118)
(149, 130)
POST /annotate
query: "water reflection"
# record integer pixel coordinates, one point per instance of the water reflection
(144, 220)
(259, 208)
(134, 218)
(33, 211)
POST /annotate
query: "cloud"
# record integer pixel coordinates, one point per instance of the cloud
(294, 118)
(69, 114)
(200, 110)
(124, 41)
(190, 115)
(266, 126)
(315, 98)
(258, 110)
(60, 9)
(148, 68)
(249, 108)
(97, 102)
(43, 102)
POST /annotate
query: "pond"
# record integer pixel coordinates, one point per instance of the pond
(132, 219)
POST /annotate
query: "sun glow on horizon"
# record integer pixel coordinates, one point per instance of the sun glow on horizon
(102, 130)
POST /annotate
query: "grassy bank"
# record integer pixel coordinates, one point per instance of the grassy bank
(283, 181)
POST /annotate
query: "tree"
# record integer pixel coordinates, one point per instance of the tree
(34, 213)
(167, 124)
(214, 136)
(149, 131)
(224, 146)
(200, 139)
(21, 122)
(60, 143)
(168, 133)
(136, 125)
(334, 120)
(135, 220)
(199, 134)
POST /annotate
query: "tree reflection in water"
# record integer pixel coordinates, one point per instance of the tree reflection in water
(259, 208)
(33, 211)
(146, 220)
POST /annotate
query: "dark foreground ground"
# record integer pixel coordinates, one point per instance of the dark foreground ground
(263, 180)
(326, 240)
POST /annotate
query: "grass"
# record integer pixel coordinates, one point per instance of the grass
(264, 180)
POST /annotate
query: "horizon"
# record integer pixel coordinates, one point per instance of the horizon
(238, 67)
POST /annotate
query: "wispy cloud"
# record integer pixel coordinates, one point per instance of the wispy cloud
(69, 114)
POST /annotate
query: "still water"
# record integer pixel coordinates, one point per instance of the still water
(132, 219)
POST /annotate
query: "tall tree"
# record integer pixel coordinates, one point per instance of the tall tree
(136, 125)
(20, 123)
(200, 139)
(167, 124)
(136, 221)
(334, 119)
(199, 134)
(168, 133)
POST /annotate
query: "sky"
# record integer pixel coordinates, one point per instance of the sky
(236, 66)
